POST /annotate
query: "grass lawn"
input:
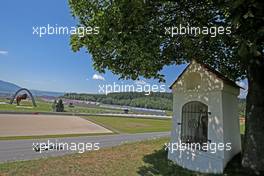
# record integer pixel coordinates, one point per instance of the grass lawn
(132, 125)
(42, 106)
(92, 110)
(141, 158)
(26, 106)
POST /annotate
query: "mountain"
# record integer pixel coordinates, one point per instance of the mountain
(7, 87)
(11, 88)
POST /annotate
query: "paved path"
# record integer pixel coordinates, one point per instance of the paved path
(29, 125)
(14, 150)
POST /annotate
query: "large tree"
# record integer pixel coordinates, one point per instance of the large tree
(133, 42)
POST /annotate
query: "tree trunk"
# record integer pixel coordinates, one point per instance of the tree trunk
(253, 150)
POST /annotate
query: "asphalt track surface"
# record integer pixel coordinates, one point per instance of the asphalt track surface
(15, 150)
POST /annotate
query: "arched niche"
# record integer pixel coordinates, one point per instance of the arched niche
(194, 122)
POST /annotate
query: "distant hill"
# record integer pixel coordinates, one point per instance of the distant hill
(7, 87)
(11, 88)
(46, 93)
(156, 100)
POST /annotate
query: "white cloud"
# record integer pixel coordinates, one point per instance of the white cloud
(98, 77)
(140, 82)
(2, 52)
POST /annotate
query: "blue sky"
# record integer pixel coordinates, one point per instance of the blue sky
(47, 63)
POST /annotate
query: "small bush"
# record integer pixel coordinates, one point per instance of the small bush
(58, 106)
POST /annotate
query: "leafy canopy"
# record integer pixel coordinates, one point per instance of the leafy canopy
(132, 40)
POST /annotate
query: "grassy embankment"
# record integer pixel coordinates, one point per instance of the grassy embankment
(42, 106)
(141, 158)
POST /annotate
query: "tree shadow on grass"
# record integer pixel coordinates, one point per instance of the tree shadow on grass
(158, 164)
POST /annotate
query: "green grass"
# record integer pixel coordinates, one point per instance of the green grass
(132, 125)
(42, 106)
(242, 128)
(92, 110)
(169, 113)
(146, 158)
(26, 106)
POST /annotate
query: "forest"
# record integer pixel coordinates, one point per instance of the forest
(156, 100)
